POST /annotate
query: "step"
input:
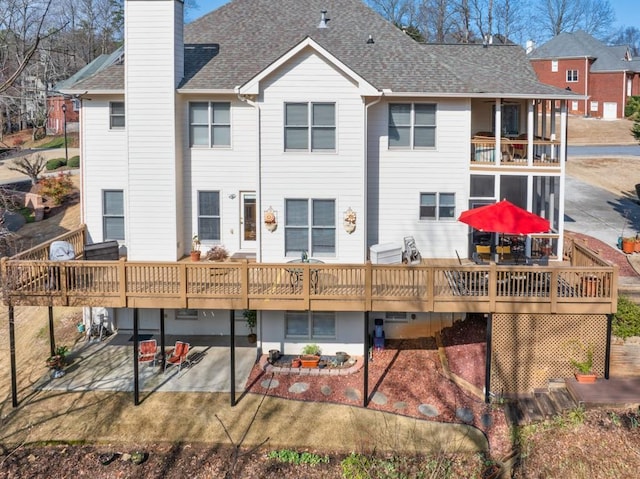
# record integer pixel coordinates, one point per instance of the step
(530, 407)
(562, 400)
(514, 414)
(547, 408)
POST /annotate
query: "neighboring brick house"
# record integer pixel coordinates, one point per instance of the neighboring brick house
(607, 75)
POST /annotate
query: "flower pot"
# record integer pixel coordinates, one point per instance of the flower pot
(296, 363)
(195, 256)
(628, 245)
(80, 327)
(636, 247)
(586, 378)
(309, 361)
(252, 338)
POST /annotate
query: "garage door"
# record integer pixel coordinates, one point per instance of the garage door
(610, 110)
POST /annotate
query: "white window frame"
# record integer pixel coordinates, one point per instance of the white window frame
(554, 66)
(593, 106)
(309, 227)
(186, 314)
(202, 236)
(438, 206)
(412, 126)
(106, 215)
(211, 124)
(574, 105)
(114, 117)
(310, 126)
(311, 316)
(572, 76)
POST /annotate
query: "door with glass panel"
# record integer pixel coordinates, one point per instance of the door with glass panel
(248, 224)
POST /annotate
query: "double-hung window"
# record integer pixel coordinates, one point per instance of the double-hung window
(310, 226)
(310, 324)
(310, 127)
(572, 76)
(412, 125)
(116, 115)
(437, 206)
(113, 215)
(209, 215)
(210, 124)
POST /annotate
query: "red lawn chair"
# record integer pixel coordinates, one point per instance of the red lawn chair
(147, 351)
(177, 356)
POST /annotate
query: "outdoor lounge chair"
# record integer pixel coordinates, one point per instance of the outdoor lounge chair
(147, 351)
(177, 356)
(411, 255)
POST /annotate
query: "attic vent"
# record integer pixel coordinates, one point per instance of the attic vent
(323, 19)
(370, 39)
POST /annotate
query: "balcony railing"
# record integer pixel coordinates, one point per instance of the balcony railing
(585, 284)
(514, 152)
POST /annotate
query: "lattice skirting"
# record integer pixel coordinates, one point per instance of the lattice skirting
(529, 350)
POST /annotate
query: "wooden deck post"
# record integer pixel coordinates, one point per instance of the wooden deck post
(122, 286)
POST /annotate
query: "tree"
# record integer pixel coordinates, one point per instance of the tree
(635, 131)
(30, 166)
(627, 36)
(553, 17)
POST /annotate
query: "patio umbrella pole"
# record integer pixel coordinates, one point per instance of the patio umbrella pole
(366, 359)
(12, 354)
(136, 385)
(52, 338)
(232, 351)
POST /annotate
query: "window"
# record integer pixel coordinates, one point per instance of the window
(394, 316)
(554, 65)
(210, 124)
(482, 186)
(310, 324)
(572, 76)
(593, 106)
(209, 215)
(187, 314)
(574, 105)
(436, 206)
(310, 226)
(116, 115)
(510, 120)
(412, 125)
(322, 133)
(113, 214)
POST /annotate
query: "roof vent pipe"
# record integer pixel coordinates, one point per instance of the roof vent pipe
(323, 19)
(370, 39)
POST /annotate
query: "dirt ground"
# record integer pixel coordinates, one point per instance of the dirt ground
(63, 435)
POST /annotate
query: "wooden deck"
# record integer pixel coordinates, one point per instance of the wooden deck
(585, 285)
(614, 392)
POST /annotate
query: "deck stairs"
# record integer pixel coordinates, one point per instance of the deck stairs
(541, 405)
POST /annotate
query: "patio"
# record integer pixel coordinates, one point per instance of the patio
(108, 366)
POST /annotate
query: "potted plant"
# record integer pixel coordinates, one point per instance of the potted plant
(581, 359)
(310, 356)
(217, 253)
(628, 244)
(195, 248)
(57, 361)
(251, 317)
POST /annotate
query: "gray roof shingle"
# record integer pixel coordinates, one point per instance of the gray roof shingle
(231, 45)
(580, 44)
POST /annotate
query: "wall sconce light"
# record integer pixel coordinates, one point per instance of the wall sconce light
(232, 196)
(349, 220)
(270, 219)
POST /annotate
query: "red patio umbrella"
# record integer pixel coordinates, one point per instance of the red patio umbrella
(506, 218)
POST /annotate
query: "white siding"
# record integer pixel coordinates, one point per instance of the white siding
(104, 162)
(227, 170)
(339, 175)
(150, 81)
(397, 177)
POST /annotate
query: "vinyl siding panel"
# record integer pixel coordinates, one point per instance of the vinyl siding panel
(150, 81)
(396, 177)
(335, 175)
(104, 163)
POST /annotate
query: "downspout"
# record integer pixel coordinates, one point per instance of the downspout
(366, 169)
(586, 86)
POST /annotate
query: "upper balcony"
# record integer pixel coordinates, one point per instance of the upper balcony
(541, 152)
(584, 284)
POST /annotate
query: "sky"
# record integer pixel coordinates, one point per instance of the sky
(627, 11)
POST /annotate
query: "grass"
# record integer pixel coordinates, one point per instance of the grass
(57, 142)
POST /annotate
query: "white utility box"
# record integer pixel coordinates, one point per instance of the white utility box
(386, 253)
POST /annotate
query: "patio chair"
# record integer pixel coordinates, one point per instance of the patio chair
(177, 356)
(411, 255)
(147, 351)
(477, 259)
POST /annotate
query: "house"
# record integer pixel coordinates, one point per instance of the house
(605, 75)
(314, 129)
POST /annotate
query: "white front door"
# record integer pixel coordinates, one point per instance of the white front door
(248, 213)
(610, 110)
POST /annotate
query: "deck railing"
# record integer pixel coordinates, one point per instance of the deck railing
(514, 152)
(76, 237)
(344, 287)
